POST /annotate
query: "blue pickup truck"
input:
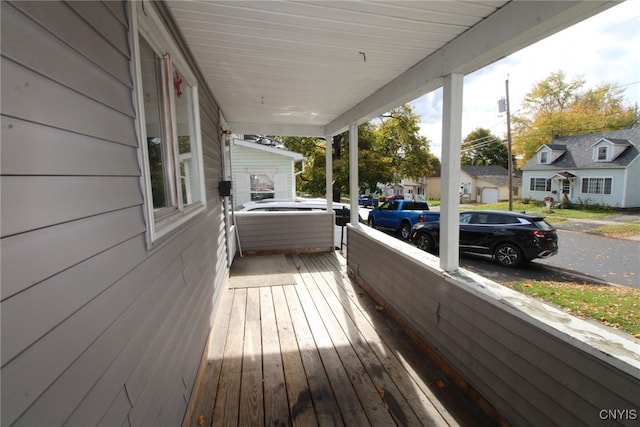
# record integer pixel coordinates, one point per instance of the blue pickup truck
(401, 215)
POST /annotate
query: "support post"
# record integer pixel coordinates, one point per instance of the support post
(354, 184)
(329, 171)
(509, 152)
(451, 150)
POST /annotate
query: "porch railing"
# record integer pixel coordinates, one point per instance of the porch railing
(535, 364)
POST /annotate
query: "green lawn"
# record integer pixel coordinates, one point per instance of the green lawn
(551, 215)
(614, 306)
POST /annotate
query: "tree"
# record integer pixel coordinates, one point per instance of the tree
(555, 107)
(398, 138)
(481, 147)
(386, 152)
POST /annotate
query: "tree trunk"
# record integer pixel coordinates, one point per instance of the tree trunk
(336, 155)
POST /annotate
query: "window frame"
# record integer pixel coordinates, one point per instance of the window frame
(544, 157)
(532, 185)
(587, 180)
(146, 23)
(601, 153)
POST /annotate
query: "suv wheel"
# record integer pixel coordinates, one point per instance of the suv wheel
(508, 255)
(372, 223)
(425, 242)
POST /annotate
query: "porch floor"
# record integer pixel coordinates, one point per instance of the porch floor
(319, 352)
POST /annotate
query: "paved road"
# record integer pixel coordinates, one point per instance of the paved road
(614, 261)
(582, 256)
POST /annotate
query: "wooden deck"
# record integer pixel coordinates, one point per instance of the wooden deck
(319, 352)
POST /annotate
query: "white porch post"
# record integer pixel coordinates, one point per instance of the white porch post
(353, 173)
(451, 146)
(329, 171)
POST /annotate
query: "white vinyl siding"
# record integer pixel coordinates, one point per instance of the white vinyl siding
(96, 328)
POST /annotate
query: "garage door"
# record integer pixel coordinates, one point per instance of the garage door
(489, 195)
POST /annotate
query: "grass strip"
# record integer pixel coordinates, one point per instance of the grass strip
(617, 307)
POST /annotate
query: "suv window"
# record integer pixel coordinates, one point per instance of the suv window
(543, 225)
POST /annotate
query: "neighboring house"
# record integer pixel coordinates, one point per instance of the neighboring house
(262, 172)
(479, 184)
(600, 168)
(432, 184)
(486, 184)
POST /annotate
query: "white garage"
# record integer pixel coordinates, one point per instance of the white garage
(489, 195)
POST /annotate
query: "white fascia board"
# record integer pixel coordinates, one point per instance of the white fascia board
(515, 26)
(297, 157)
(276, 129)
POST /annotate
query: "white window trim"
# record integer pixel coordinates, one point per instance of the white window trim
(144, 20)
(546, 184)
(544, 161)
(596, 153)
(603, 178)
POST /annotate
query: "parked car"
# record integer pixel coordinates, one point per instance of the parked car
(343, 213)
(509, 237)
(367, 200)
(401, 215)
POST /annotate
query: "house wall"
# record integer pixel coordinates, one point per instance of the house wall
(535, 364)
(246, 161)
(432, 185)
(96, 328)
(631, 190)
(615, 199)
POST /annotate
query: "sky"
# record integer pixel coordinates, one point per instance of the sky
(603, 48)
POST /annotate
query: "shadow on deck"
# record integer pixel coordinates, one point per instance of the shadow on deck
(309, 347)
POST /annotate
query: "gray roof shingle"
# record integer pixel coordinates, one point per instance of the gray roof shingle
(481, 170)
(579, 154)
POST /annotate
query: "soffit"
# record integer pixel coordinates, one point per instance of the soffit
(310, 68)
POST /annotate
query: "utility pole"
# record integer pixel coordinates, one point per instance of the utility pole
(503, 105)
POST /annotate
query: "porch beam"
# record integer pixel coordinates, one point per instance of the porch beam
(277, 129)
(353, 172)
(451, 149)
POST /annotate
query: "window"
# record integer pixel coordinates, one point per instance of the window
(596, 185)
(261, 186)
(169, 124)
(566, 186)
(602, 153)
(544, 157)
(540, 184)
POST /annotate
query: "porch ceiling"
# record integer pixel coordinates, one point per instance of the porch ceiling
(314, 67)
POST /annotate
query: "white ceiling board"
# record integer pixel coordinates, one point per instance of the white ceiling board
(308, 65)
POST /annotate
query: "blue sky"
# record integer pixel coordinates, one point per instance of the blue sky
(604, 48)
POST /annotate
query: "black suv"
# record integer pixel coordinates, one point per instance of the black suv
(509, 237)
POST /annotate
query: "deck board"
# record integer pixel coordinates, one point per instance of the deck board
(319, 352)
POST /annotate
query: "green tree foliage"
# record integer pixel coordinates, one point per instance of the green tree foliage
(398, 139)
(559, 107)
(312, 180)
(386, 152)
(481, 147)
